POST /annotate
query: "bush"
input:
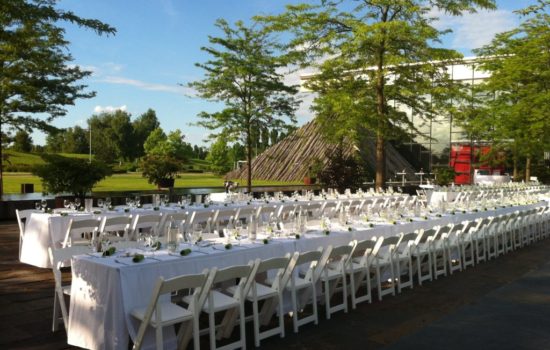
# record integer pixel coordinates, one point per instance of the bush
(21, 168)
(73, 175)
(342, 171)
(445, 175)
(156, 168)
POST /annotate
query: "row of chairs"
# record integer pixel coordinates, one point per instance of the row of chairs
(427, 254)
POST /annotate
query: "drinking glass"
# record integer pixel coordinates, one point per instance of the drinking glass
(108, 201)
(128, 201)
(100, 203)
(166, 200)
(137, 201)
(37, 205)
(77, 202)
(66, 203)
(43, 204)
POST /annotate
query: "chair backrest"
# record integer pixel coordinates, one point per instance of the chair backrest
(199, 283)
(242, 272)
(62, 257)
(341, 254)
(79, 227)
(179, 218)
(312, 259)
(200, 217)
(22, 216)
(424, 236)
(150, 221)
(115, 224)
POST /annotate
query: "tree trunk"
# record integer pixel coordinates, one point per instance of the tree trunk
(380, 161)
(1, 162)
(249, 160)
(515, 174)
(528, 169)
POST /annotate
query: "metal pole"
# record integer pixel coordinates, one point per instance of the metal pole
(90, 129)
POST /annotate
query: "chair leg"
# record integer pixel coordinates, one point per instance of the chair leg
(158, 331)
(212, 329)
(55, 318)
(281, 316)
(242, 325)
(196, 332)
(294, 311)
(256, 321)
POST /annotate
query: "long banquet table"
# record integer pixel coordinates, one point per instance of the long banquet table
(42, 230)
(105, 290)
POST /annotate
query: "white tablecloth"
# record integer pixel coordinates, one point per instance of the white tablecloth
(104, 291)
(43, 230)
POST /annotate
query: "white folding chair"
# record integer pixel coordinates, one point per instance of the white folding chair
(218, 302)
(150, 222)
(438, 251)
(422, 254)
(22, 217)
(383, 263)
(467, 244)
(161, 312)
(402, 259)
(334, 273)
(302, 285)
(359, 269)
(270, 291)
(453, 247)
(59, 258)
(80, 232)
(116, 228)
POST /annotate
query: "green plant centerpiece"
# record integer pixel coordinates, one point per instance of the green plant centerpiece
(70, 175)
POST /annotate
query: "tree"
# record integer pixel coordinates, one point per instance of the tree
(341, 171)
(63, 174)
(76, 140)
(22, 142)
(36, 77)
(112, 136)
(218, 157)
(375, 59)
(515, 99)
(143, 126)
(244, 73)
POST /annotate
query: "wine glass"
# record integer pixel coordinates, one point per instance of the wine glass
(137, 201)
(100, 203)
(77, 203)
(166, 200)
(37, 205)
(108, 201)
(128, 202)
(66, 203)
(43, 204)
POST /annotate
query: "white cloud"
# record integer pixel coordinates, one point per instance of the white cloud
(473, 30)
(148, 86)
(109, 109)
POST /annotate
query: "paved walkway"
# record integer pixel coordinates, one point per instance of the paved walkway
(514, 316)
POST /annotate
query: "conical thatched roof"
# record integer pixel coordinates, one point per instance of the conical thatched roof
(290, 159)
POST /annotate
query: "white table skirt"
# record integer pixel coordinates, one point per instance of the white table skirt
(104, 292)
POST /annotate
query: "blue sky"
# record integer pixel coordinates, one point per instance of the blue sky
(158, 42)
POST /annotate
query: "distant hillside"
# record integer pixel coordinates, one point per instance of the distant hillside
(23, 162)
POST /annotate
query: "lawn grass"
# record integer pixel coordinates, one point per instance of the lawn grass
(132, 182)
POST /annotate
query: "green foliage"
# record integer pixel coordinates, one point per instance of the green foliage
(445, 175)
(244, 73)
(342, 39)
(77, 176)
(220, 161)
(70, 140)
(37, 77)
(143, 126)
(511, 106)
(173, 145)
(341, 171)
(156, 168)
(112, 135)
(22, 142)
